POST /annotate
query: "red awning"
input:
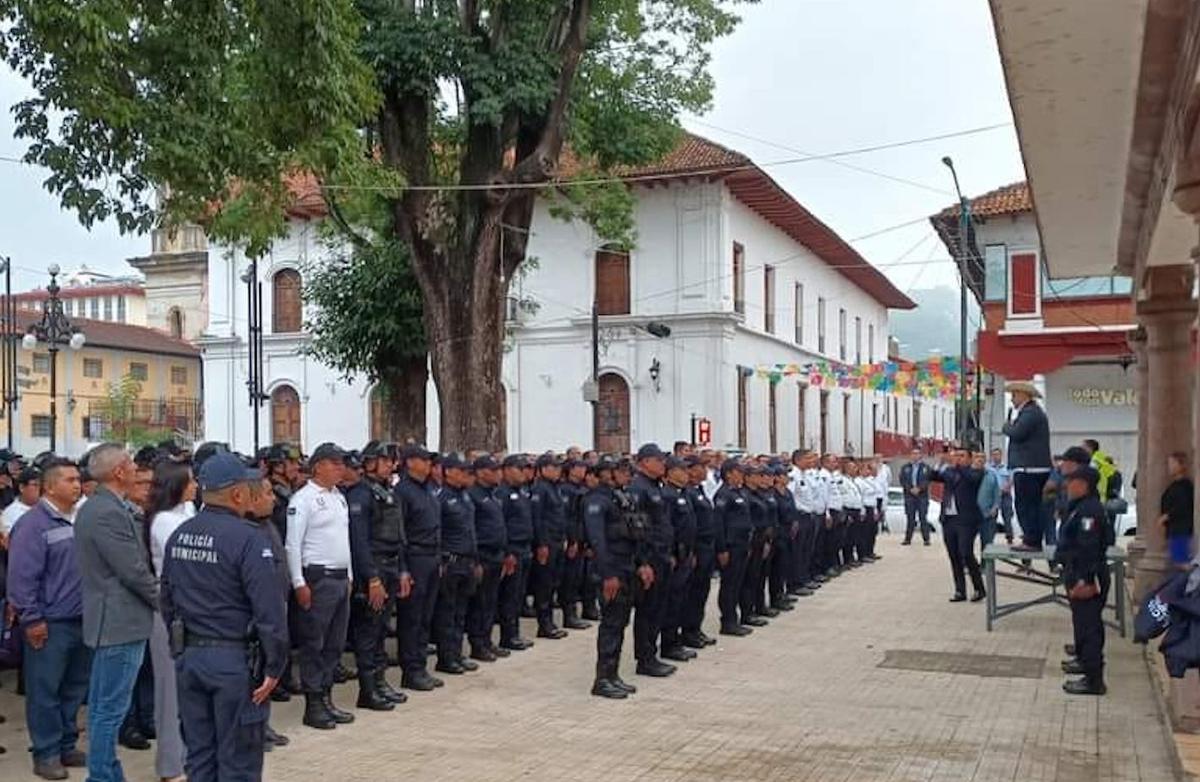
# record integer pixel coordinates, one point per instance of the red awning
(1021, 356)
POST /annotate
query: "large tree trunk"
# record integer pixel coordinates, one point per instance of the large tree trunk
(465, 327)
(403, 403)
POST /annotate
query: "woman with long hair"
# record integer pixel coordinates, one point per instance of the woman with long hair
(171, 503)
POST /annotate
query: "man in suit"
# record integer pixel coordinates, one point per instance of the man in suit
(961, 519)
(914, 480)
(1028, 432)
(120, 593)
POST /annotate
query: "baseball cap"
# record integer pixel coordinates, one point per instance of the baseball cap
(353, 459)
(602, 464)
(675, 463)
(485, 462)
(326, 451)
(374, 450)
(516, 460)
(650, 451)
(222, 470)
(415, 451)
(730, 465)
(455, 461)
(1077, 454)
(547, 460)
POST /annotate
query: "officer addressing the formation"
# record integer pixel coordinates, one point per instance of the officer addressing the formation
(380, 574)
(226, 618)
(318, 551)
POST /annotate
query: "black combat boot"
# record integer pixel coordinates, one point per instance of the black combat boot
(1088, 685)
(590, 611)
(571, 620)
(339, 716)
(386, 690)
(420, 681)
(607, 688)
(624, 685)
(315, 713)
(369, 697)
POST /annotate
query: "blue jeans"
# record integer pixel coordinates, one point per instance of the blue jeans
(56, 681)
(114, 670)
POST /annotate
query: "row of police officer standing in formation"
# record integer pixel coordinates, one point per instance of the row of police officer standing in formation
(451, 546)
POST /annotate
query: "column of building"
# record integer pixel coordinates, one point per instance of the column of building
(1166, 312)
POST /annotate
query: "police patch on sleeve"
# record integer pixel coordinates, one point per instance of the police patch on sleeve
(593, 507)
(1088, 523)
(292, 511)
(355, 507)
(267, 554)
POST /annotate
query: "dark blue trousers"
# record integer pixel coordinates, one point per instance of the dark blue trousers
(414, 613)
(222, 728)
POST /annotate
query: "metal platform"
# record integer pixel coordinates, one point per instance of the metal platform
(1033, 567)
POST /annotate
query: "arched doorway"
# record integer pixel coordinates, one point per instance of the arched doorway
(285, 415)
(612, 414)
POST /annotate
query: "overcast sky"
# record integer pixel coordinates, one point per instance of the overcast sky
(800, 76)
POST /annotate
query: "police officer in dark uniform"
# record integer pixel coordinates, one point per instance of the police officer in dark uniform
(787, 532)
(461, 571)
(1083, 541)
(683, 528)
(550, 543)
(753, 584)
(422, 512)
(377, 553)
(649, 611)
(700, 583)
(617, 530)
(734, 530)
(571, 591)
(491, 535)
(220, 599)
(518, 524)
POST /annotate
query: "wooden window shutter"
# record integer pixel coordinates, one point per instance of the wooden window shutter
(612, 283)
(286, 307)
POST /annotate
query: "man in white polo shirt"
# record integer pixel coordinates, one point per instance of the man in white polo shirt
(318, 554)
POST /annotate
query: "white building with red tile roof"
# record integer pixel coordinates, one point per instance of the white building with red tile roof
(739, 271)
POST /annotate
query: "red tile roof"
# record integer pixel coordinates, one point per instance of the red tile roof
(119, 336)
(695, 156)
(1007, 200)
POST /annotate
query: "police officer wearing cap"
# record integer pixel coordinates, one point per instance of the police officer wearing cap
(461, 571)
(380, 574)
(650, 609)
(319, 562)
(700, 583)
(423, 532)
(1083, 541)
(734, 529)
(571, 591)
(617, 531)
(549, 542)
(496, 561)
(518, 525)
(751, 602)
(786, 536)
(683, 558)
(221, 601)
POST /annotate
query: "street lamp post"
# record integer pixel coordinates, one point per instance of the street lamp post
(55, 330)
(8, 361)
(964, 222)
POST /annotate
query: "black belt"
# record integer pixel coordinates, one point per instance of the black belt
(327, 572)
(426, 551)
(191, 639)
(450, 559)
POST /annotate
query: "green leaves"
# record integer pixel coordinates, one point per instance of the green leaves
(195, 95)
(368, 309)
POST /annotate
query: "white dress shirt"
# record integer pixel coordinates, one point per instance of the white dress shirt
(848, 488)
(162, 526)
(868, 490)
(318, 531)
(9, 517)
(833, 490)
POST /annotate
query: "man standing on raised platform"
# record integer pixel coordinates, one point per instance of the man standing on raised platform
(1028, 432)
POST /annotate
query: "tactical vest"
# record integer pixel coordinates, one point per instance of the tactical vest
(632, 523)
(387, 522)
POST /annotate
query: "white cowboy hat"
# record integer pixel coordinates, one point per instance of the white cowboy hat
(1023, 387)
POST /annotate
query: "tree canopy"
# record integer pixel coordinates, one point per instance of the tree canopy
(449, 116)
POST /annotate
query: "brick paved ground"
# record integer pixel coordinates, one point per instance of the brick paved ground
(802, 700)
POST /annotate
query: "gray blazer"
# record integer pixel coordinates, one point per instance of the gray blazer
(120, 592)
(1029, 438)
